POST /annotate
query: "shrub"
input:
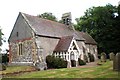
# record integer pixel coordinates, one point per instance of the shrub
(81, 62)
(85, 58)
(112, 55)
(4, 58)
(50, 61)
(53, 62)
(103, 57)
(73, 63)
(91, 56)
(2, 66)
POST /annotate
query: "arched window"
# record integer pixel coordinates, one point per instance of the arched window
(20, 49)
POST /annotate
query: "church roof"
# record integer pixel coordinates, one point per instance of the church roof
(44, 27)
(50, 28)
(88, 38)
(63, 44)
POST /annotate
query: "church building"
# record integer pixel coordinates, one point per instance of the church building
(33, 38)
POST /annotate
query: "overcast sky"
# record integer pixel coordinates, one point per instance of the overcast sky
(9, 9)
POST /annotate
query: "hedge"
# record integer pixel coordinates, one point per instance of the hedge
(81, 62)
(53, 62)
(4, 58)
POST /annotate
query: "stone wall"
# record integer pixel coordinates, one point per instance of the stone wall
(27, 51)
(92, 49)
(46, 45)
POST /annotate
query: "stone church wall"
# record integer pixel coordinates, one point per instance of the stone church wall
(47, 45)
(27, 51)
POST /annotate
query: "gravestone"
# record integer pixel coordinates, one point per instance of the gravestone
(116, 62)
(40, 65)
(112, 55)
(103, 57)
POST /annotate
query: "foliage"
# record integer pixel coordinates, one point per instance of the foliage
(4, 58)
(53, 62)
(2, 66)
(85, 58)
(91, 57)
(103, 25)
(48, 15)
(103, 57)
(1, 37)
(81, 62)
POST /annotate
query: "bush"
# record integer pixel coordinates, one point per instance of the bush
(50, 61)
(2, 66)
(53, 62)
(85, 58)
(91, 57)
(73, 63)
(81, 62)
(4, 58)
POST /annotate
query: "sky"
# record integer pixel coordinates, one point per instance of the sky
(9, 10)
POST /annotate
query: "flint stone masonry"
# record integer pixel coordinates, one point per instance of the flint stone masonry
(26, 51)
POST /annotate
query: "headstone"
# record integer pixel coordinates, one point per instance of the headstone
(116, 62)
(112, 55)
(40, 65)
(103, 57)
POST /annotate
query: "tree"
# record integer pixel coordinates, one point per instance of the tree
(1, 37)
(102, 24)
(48, 16)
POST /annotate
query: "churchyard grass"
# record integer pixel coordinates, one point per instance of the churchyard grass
(102, 71)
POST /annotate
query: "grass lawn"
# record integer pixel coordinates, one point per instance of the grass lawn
(102, 71)
(13, 69)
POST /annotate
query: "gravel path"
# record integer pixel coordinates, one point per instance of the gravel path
(91, 64)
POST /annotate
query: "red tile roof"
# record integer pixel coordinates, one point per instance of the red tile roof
(63, 44)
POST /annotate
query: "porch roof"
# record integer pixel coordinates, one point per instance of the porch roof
(63, 44)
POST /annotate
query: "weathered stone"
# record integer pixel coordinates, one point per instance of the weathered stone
(111, 55)
(27, 55)
(116, 62)
(103, 57)
(41, 65)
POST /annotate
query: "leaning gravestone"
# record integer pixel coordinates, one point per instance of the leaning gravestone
(103, 57)
(112, 55)
(40, 65)
(116, 62)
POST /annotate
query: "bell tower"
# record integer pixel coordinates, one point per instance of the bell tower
(67, 20)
